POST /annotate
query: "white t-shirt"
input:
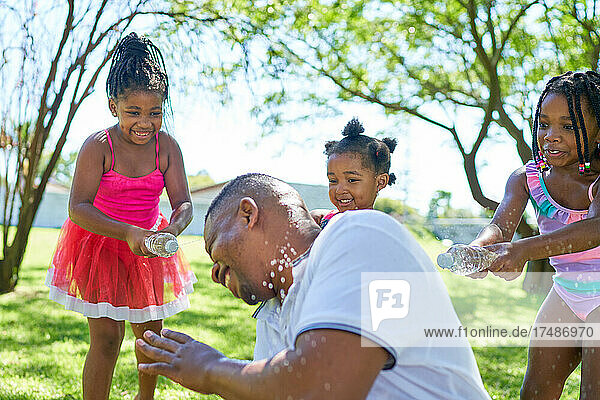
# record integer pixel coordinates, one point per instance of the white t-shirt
(326, 293)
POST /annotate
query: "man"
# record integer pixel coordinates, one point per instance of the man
(311, 339)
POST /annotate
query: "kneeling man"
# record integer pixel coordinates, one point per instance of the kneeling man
(320, 332)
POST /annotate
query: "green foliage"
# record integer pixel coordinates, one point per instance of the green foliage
(407, 215)
(200, 180)
(429, 59)
(439, 207)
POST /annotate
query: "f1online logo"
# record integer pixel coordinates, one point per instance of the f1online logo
(389, 299)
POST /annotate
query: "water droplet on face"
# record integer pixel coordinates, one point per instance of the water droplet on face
(281, 251)
(327, 386)
(253, 297)
(323, 339)
(303, 361)
(274, 261)
(293, 251)
(282, 279)
(270, 286)
(264, 283)
(286, 362)
(313, 343)
(266, 243)
(280, 268)
(272, 274)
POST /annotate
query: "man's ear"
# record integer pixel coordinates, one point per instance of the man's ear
(248, 209)
(382, 180)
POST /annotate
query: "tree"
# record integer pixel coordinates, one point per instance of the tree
(435, 60)
(52, 56)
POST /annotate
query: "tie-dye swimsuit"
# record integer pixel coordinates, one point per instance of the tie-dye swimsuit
(577, 278)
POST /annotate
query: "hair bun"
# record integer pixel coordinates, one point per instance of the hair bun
(392, 179)
(390, 143)
(135, 45)
(353, 128)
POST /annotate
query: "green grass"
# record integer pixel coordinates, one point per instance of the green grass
(43, 347)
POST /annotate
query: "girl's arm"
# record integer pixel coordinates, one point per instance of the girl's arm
(573, 238)
(177, 188)
(509, 212)
(86, 180)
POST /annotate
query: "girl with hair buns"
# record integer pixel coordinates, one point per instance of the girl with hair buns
(101, 267)
(358, 167)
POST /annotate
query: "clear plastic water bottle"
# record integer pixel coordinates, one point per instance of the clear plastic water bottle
(163, 244)
(462, 259)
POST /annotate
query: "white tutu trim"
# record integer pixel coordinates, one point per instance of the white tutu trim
(123, 313)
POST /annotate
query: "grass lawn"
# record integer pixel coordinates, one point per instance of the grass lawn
(43, 347)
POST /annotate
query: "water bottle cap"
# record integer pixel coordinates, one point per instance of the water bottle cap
(445, 260)
(171, 246)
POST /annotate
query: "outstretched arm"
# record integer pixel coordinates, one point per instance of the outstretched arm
(177, 189)
(326, 363)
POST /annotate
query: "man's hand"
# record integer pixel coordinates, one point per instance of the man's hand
(510, 262)
(179, 358)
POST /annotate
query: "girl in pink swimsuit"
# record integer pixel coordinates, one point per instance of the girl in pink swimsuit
(358, 167)
(101, 267)
(562, 184)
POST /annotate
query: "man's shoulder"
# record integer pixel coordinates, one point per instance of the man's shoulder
(350, 226)
(368, 218)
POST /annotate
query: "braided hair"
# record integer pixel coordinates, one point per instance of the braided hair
(375, 153)
(137, 64)
(572, 85)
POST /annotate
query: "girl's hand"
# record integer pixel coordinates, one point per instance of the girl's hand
(135, 240)
(510, 262)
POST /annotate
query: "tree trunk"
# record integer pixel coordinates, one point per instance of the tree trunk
(13, 254)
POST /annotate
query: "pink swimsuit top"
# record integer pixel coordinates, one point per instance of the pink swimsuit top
(130, 200)
(552, 216)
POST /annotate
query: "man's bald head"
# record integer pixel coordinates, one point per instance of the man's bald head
(267, 191)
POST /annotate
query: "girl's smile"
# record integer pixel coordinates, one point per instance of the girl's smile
(351, 185)
(140, 115)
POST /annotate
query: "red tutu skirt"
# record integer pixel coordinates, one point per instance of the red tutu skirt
(99, 276)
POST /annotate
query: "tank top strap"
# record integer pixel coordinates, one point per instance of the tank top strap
(112, 152)
(156, 150)
(590, 195)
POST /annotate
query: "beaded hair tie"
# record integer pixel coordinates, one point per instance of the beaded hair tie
(584, 167)
(541, 163)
